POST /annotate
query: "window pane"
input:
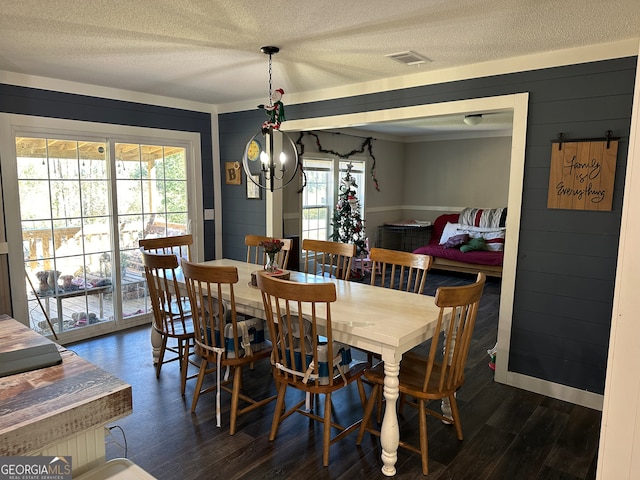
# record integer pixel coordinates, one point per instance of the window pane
(65, 199)
(93, 194)
(316, 197)
(33, 195)
(92, 157)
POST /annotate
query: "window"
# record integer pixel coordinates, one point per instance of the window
(81, 218)
(321, 193)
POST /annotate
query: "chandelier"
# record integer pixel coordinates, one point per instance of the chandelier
(270, 157)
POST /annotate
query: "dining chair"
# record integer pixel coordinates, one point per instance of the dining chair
(179, 245)
(406, 271)
(305, 356)
(171, 319)
(400, 271)
(324, 257)
(222, 340)
(257, 255)
(438, 375)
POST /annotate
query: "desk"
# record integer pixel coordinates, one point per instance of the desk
(380, 320)
(59, 410)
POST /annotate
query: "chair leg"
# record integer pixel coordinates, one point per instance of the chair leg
(327, 429)
(235, 395)
(362, 393)
(456, 416)
(366, 418)
(196, 392)
(277, 413)
(424, 448)
(184, 361)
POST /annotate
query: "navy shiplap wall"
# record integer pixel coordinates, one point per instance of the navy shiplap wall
(240, 216)
(46, 103)
(566, 259)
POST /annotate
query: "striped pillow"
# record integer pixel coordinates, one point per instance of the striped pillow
(494, 237)
(487, 218)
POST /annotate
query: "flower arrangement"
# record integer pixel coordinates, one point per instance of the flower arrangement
(272, 246)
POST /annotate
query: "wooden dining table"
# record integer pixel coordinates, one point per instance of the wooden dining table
(378, 320)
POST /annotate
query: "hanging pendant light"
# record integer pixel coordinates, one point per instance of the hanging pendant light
(270, 157)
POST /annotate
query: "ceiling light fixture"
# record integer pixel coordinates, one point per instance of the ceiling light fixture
(261, 151)
(473, 119)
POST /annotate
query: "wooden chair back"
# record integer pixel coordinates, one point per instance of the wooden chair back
(257, 255)
(207, 286)
(297, 337)
(297, 314)
(444, 372)
(179, 245)
(399, 270)
(222, 338)
(326, 258)
(164, 291)
(171, 311)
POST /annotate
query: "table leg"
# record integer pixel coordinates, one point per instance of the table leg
(156, 343)
(59, 313)
(389, 433)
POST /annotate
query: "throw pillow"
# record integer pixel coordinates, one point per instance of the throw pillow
(449, 230)
(456, 240)
(473, 245)
(494, 240)
(494, 237)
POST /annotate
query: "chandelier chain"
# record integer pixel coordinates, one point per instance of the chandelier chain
(270, 104)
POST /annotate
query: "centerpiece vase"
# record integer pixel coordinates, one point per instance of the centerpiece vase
(272, 265)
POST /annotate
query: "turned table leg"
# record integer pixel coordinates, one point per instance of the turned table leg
(389, 433)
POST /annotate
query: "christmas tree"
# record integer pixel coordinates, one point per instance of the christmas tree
(347, 223)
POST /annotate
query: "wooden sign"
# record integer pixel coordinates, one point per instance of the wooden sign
(582, 175)
(232, 173)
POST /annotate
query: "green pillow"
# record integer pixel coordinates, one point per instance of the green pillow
(474, 244)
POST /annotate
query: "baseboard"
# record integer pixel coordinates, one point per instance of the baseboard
(555, 390)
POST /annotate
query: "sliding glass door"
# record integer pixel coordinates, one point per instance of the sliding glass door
(83, 207)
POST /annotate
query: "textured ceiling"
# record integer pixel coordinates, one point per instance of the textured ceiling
(209, 50)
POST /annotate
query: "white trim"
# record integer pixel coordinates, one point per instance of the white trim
(217, 187)
(571, 56)
(556, 390)
(514, 206)
(65, 86)
(619, 453)
(470, 106)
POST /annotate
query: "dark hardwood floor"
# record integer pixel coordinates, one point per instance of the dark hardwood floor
(509, 433)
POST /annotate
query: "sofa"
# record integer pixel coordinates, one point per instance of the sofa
(470, 242)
